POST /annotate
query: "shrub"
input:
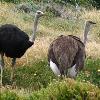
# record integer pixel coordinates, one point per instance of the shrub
(7, 95)
(11, 1)
(90, 72)
(67, 90)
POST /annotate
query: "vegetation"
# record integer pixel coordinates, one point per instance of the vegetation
(32, 77)
(67, 89)
(86, 3)
(57, 90)
(39, 75)
(34, 80)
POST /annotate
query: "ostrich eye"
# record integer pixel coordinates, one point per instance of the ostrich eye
(39, 12)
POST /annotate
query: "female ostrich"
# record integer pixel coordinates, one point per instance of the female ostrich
(14, 42)
(66, 54)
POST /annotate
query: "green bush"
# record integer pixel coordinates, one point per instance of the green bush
(7, 95)
(93, 77)
(96, 3)
(73, 2)
(67, 90)
(90, 72)
(85, 3)
(11, 1)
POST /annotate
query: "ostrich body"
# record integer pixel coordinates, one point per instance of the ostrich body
(14, 42)
(66, 54)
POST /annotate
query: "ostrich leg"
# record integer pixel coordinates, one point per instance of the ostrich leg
(72, 72)
(79, 64)
(13, 68)
(1, 66)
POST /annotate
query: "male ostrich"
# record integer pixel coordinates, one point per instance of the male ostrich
(66, 54)
(14, 42)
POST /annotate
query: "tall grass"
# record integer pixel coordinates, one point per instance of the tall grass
(32, 70)
(66, 89)
(36, 75)
(49, 28)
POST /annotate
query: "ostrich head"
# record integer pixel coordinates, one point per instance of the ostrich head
(87, 29)
(89, 23)
(37, 16)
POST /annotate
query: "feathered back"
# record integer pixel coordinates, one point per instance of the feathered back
(65, 51)
(13, 41)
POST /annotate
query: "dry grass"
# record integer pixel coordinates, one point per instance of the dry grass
(93, 15)
(37, 51)
(93, 49)
(47, 34)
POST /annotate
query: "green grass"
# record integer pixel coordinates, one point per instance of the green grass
(39, 74)
(9, 96)
(90, 73)
(92, 64)
(35, 80)
(36, 76)
(63, 25)
(66, 89)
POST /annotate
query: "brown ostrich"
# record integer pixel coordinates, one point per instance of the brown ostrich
(66, 54)
(14, 42)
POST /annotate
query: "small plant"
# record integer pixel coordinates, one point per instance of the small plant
(7, 95)
(67, 90)
(11, 1)
(33, 77)
(90, 73)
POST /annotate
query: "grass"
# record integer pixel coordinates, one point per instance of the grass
(90, 73)
(57, 90)
(33, 77)
(67, 89)
(49, 28)
(38, 75)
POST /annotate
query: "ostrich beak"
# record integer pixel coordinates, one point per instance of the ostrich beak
(92, 22)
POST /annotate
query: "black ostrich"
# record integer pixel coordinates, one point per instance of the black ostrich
(66, 54)
(14, 42)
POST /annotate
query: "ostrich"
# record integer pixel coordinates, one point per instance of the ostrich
(14, 42)
(66, 54)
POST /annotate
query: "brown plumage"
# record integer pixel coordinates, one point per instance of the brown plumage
(66, 55)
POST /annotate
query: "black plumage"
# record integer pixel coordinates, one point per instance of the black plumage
(13, 41)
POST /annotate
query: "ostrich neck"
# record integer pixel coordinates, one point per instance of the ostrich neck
(86, 31)
(34, 29)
